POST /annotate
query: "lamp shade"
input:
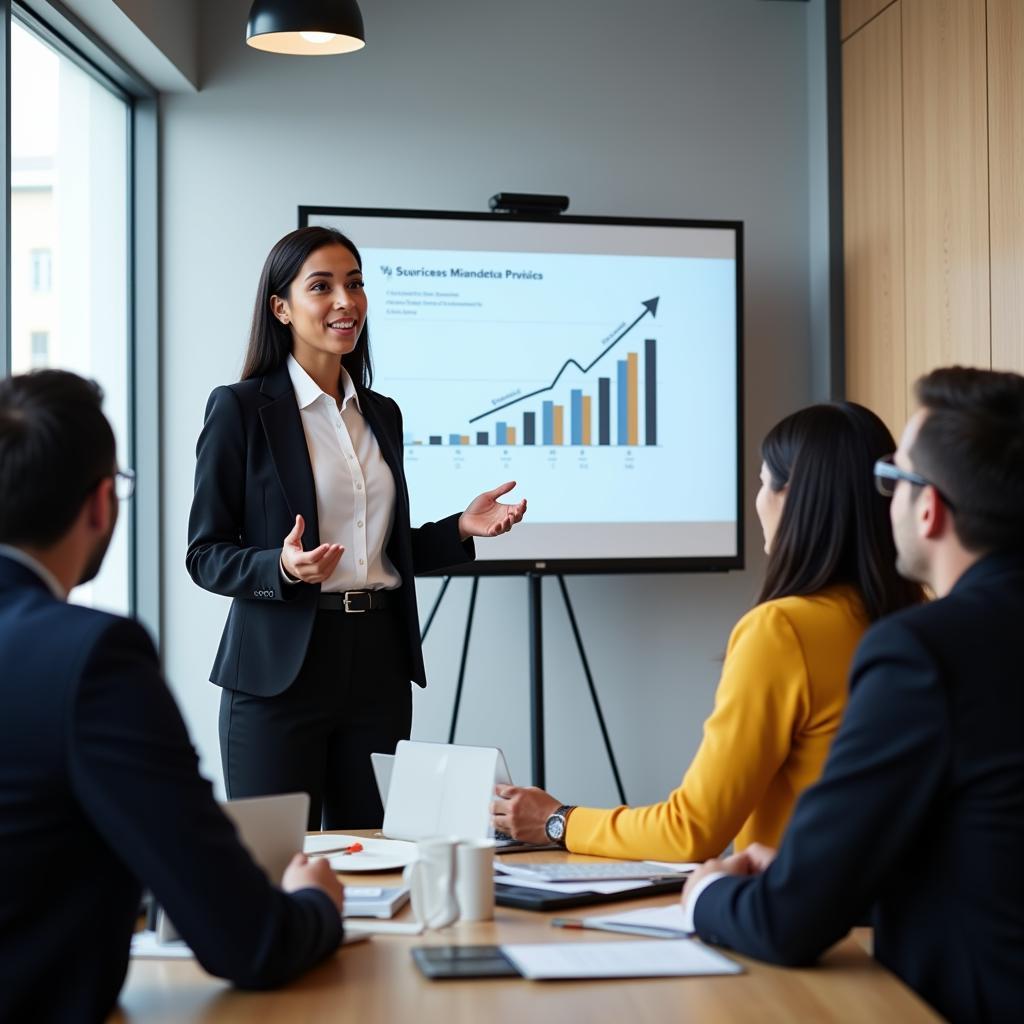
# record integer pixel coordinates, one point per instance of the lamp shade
(306, 27)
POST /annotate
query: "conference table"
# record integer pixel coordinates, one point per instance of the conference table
(377, 980)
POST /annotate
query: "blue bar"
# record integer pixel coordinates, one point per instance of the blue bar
(455, 439)
(435, 438)
(548, 409)
(501, 433)
(529, 428)
(482, 438)
(576, 430)
(622, 425)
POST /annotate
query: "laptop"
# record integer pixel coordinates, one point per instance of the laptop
(271, 828)
(432, 789)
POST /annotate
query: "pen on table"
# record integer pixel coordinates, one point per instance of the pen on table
(630, 929)
(333, 851)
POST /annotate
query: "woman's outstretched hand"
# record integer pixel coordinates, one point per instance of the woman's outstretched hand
(308, 566)
(488, 517)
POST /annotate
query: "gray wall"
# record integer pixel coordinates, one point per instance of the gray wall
(664, 108)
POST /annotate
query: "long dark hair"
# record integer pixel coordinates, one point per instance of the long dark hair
(834, 526)
(270, 341)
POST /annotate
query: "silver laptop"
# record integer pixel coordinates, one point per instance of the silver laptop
(271, 828)
(431, 789)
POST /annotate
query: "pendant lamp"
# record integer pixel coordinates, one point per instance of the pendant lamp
(305, 27)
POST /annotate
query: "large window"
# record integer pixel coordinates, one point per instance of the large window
(69, 228)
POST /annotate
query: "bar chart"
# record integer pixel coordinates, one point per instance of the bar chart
(585, 419)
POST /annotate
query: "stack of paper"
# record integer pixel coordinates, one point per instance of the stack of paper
(656, 959)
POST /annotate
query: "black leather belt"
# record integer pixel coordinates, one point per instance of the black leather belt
(354, 601)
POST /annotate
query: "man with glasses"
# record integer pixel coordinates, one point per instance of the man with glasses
(100, 791)
(919, 815)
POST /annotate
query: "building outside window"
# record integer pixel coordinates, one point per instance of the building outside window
(42, 270)
(40, 349)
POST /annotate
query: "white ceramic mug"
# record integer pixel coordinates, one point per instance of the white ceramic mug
(474, 879)
(431, 881)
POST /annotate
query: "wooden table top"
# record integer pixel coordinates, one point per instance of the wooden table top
(377, 980)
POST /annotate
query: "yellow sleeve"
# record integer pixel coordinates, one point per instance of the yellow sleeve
(761, 698)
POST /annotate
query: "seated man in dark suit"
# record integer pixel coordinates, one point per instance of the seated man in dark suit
(100, 792)
(919, 815)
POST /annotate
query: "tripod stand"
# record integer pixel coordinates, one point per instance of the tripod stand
(536, 671)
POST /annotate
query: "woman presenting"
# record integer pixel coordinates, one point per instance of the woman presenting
(301, 515)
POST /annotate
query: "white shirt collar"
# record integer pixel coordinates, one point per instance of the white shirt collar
(307, 391)
(19, 556)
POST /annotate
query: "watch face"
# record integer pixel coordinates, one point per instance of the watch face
(555, 827)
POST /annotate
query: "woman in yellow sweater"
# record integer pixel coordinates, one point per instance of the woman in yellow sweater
(830, 573)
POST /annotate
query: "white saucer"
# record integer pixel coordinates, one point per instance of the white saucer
(376, 854)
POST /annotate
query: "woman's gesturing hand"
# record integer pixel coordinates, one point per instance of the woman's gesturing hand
(308, 566)
(488, 517)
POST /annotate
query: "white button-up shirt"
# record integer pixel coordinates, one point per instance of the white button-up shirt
(355, 491)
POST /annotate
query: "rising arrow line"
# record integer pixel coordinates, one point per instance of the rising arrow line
(651, 307)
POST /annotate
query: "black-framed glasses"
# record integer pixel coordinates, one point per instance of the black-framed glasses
(124, 483)
(888, 474)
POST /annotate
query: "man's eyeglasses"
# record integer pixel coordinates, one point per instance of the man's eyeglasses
(124, 483)
(888, 474)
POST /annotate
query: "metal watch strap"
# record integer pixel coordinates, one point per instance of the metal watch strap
(563, 813)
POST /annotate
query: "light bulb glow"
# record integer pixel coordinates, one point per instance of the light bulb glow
(317, 37)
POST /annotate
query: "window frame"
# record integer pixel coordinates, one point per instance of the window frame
(69, 36)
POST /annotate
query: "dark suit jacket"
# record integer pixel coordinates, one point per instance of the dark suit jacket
(253, 476)
(919, 812)
(100, 794)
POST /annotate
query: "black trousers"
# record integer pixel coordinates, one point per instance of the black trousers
(352, 697)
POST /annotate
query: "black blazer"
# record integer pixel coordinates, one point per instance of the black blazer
(919, 812)
(253, 476)
(100, 794)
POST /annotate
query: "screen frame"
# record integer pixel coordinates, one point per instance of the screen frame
(307, 215)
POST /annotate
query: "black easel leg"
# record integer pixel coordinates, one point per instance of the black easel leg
(536, 680)
(465, 655)
(433, 611)
(593, 690)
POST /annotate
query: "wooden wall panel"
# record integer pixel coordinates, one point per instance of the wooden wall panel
(855, 13)
(873, 219)
(945, 163)
(1006, 180)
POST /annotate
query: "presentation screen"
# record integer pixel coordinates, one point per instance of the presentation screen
(594, 360)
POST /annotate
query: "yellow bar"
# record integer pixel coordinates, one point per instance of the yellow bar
(558, 412)
(586, 419)
(510, 435)
(464, 439)
(632, 411)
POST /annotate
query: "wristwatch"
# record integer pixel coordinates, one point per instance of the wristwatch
(555, 826)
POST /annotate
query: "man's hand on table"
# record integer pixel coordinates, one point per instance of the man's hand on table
(750, 861)
(303, 873)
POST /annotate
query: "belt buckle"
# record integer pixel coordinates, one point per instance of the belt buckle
(349, 594)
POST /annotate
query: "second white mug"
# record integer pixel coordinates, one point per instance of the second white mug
(474, 879)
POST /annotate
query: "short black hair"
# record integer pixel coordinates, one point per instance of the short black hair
(971, 447)
(55, 448)
(834, 527)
